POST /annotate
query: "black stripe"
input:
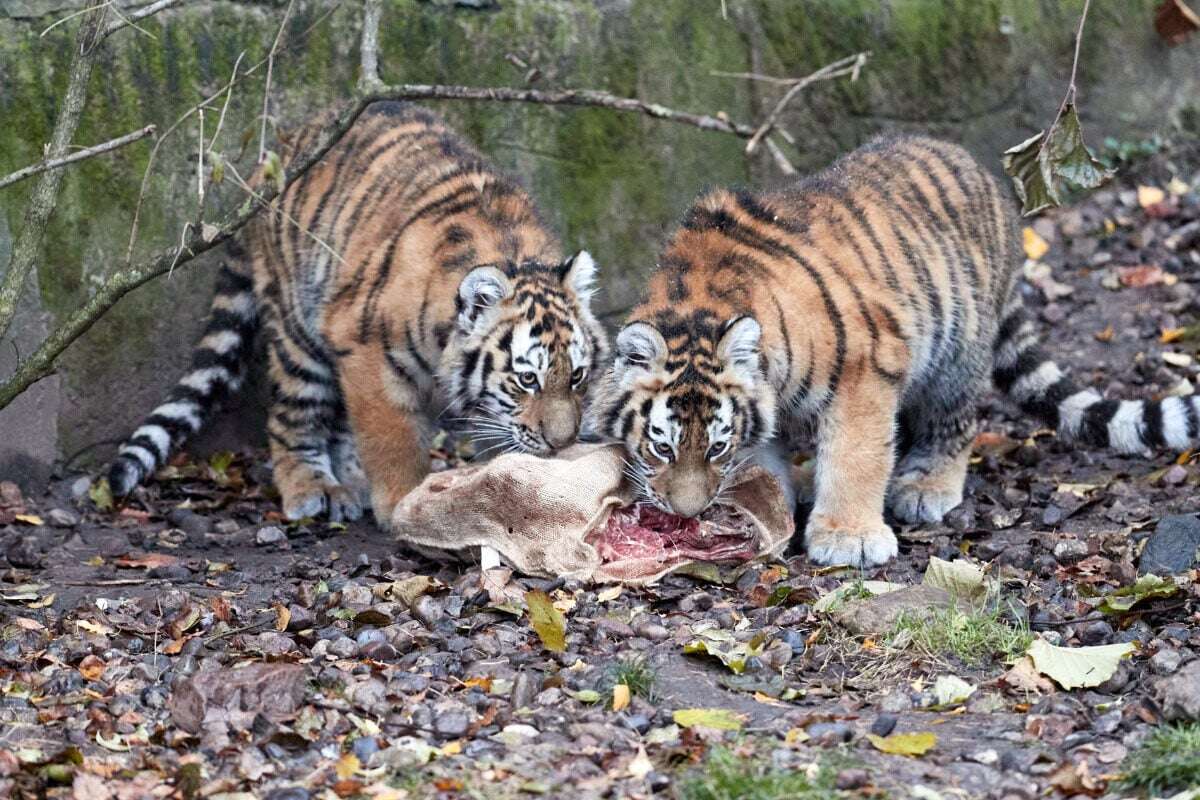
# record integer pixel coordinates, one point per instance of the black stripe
(294, 370)
(1193, 423)
(1027, 361)
(1152, 416)
(149, 445)
(1093, 429)
(1044, 406)
(1009, 327)
(178, 429)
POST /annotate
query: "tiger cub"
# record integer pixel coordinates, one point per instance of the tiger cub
(873, 299)
(401, 278)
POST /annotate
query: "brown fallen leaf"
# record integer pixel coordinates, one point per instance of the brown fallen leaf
(620, 697)
(1105, 335)
(274, 689)
(1143, 275)
(1075, 779)
(91, 667)
(146, 560)
(1024, 677)
(29, 519)
(282, 617)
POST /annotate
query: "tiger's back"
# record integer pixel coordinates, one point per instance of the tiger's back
(400, 277)
(876, 298)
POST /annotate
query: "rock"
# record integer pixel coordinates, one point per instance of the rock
(62, 518)
(269, 535)
(652, 631)
(829, 733)
(1172, 548)
(452, 723)
(1097, 632)
(877, 615)
(23, 553)
(1179, 694)
(188, 521)
(1175, 475)
(289, 793)
(371, 696)
(883, 725)
(275, 690)
(299, 618)
(895, 702)
(849, 779)
(1069, 551)
(523, 690)
(1165, 662)
(343, 647)
(80, 487)
(428, 610)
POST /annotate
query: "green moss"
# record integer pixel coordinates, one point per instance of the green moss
(726, 775)
(974, 638)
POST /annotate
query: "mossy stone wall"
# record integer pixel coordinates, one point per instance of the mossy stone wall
(985, 72)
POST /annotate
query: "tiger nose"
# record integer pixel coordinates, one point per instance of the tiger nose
(688, 503)
(560, 424)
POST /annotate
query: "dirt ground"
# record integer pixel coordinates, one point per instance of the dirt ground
(190, 644)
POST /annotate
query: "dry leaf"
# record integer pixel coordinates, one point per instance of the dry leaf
(282, 617)
(547, 621)
(91, 667)
(641, 765)
(1024, 677)
(904, 744)
(620, 697)
(346, 766)
(721, 719)
(1105, 335)
(1143, 275)
(1175, 21)
(146, 561)
(29, 519)
(1150, 196)
(1035, 245)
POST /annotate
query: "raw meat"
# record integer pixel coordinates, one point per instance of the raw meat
(642, 532)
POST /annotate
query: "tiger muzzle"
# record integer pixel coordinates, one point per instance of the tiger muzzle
(560, 423)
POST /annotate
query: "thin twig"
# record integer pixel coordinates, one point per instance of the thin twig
(129, 18)
(228, 96)
(262, 139)
(1069, 97)
(73, 15)
(45, 195)
(368, 78)
(754, 76)
(248, 189)
(78, 155)
(851, 65)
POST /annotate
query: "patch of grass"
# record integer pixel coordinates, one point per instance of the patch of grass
(973, 637)
(635, 672)
(1167, 762)
(728, 776)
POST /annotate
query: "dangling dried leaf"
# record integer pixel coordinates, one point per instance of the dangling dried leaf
(1040, 164)
(1175, 21)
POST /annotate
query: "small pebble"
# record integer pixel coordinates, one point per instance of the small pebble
(428, 611)
(269, 535)
(849, 779)
(1068, 551)
(883, 725)
(1165, 662)
(451, 724)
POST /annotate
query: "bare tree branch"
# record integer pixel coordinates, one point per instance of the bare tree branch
(850, 65)
(78, 155)
(205, 237)
(262, 141)
(45, 195)
(368, 79)
(131, 17)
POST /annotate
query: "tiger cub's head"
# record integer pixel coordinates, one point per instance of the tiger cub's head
(525, 344)
(688, 399)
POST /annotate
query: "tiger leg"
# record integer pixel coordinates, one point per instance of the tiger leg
(389, 426)
(855, 454)
(930, 476)
(347, 467)
(304, 413)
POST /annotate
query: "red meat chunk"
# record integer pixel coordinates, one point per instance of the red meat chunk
(645, 533)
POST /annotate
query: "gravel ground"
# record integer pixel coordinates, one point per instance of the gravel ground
(191, 644)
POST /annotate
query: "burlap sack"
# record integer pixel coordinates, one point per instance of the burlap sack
(540, 514)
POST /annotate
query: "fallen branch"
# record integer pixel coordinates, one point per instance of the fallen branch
(78, 155)
(45, 195)
(130, 17)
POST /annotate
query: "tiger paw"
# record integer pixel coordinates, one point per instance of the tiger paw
(828, 543)
(924, 498)
(327, 498)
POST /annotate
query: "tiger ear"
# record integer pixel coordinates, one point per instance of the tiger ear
(639, 344)
(481, 289)
(738, 347)
(578, 273)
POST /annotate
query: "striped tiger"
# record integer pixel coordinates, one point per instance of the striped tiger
(399, 280)
(875, 299)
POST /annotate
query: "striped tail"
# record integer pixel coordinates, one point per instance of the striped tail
(216, 373)
(1027, 375)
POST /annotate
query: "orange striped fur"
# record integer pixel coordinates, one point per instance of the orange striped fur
(399, 280)
(876, 299)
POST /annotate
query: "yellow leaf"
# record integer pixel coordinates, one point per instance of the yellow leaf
(346, 766)
(620, 698)
(721, 719)
(1035, 245)
(1178, 187)
(1109, 226)
(1150, 195)
(30, 519)
(48, 600)
(483, 683)
(547, 621)
(95, 561)
(767, 700)
(904, 744)
(796, 736)
(641, 766)
(452, 748)
(1172, 335)
(1105, 335)
(92, 627)
(282, 617)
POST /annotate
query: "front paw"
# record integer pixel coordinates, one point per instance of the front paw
(829, 543)
(919, 498)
